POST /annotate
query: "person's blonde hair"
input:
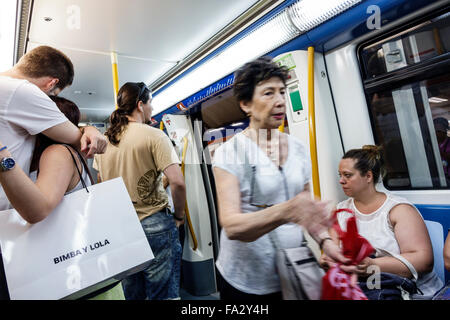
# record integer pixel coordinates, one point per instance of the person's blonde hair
(45, 61)
(368, 158)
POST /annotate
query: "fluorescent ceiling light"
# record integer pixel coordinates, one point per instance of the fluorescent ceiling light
(214, 130)
(308, 14)
(8, 16)
(436, 100)
(285, 26)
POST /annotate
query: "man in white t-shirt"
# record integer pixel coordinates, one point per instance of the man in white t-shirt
(26, 110)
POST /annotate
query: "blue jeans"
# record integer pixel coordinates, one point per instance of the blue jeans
(161, 279)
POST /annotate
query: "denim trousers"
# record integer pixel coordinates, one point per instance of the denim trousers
(389, 287)
(161, 279)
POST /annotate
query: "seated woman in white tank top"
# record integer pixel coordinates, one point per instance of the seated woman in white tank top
(388, 222)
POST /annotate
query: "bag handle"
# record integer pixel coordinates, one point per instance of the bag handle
(85, 166)
(336, 225)
(402, 259)
(83, 161)
(249, 169)
(83, 183)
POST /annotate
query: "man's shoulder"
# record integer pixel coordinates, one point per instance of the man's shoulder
(10, 85)
(14, 83)
(21, 88)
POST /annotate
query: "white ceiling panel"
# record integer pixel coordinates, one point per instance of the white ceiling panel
(162, 30)
(149, 37)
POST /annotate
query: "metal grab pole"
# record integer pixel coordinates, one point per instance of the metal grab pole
(115, 75)
(312, 124)
(188, 216)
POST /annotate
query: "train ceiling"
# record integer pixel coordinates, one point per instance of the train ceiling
(149, 36)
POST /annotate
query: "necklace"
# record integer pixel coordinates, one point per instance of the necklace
(270, 146)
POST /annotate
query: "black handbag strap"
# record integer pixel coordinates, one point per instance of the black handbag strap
(84, 164)
(251, 170)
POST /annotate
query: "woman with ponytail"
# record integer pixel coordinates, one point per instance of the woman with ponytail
(393, 226)
(140, 154)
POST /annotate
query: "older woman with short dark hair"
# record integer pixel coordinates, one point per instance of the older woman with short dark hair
(262, 181)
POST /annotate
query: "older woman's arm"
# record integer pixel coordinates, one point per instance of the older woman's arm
(250, 226)
(244, 227)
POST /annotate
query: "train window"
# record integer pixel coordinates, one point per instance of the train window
(410, 108)
(415, 45)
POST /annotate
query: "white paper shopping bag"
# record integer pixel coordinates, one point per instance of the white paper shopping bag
(89, 241)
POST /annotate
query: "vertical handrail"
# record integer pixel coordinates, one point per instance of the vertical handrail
(188, 216)
(115, 75)
(312, 124)
(281, 127)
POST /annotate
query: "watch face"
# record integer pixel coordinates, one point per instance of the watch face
(8, 163)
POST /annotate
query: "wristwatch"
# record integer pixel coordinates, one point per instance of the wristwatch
(7, 163)
(323, 241)
(176, 218)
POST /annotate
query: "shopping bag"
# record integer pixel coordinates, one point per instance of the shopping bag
(337, 284)
(91, 239)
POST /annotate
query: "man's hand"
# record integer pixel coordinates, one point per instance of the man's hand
(92, 142)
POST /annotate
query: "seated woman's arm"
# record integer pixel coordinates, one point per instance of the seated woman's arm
(33, 201)
(415, 244)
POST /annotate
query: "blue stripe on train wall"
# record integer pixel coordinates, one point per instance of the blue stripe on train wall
(354, 22)
(190, 102)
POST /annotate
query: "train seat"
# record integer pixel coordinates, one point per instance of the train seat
(436, 232)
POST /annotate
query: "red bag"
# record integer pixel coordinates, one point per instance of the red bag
(336, 284)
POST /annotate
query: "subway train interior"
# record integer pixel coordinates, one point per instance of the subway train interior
(375, 72)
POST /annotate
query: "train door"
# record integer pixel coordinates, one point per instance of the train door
(198, 271)
(218, 119)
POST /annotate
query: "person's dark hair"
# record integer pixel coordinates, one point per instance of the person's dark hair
(250, 74)
(441, 124)
(71, 112)
(127, 101)
(368, 158)
(45, 61)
